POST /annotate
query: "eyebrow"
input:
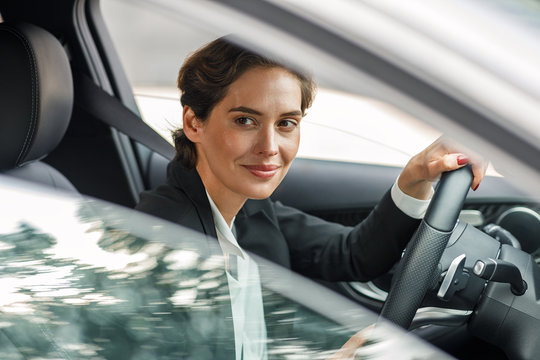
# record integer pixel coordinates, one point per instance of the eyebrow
(255, 112)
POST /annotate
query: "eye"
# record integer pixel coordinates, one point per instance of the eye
(244, 120)
(288, 124)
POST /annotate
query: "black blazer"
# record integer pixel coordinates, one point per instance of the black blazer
(287, 236)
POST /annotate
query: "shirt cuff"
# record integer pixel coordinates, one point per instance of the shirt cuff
(411, 206)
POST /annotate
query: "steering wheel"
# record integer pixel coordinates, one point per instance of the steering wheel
(426, 247)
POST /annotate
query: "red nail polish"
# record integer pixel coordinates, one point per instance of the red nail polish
(476, 187)
(462, 160)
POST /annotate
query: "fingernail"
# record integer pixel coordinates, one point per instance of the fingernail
(462, 160)
(476, 187)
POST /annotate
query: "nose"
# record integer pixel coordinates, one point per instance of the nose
(267, 142)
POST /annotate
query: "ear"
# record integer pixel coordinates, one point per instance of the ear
(192, 126)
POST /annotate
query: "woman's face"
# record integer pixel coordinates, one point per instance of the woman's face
(246, 145)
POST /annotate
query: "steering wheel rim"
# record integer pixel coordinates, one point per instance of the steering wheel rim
(424, 251)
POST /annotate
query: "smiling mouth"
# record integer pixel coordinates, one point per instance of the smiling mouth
(263, 171)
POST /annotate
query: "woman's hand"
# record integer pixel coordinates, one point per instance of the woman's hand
(427, 166)
(349, 348)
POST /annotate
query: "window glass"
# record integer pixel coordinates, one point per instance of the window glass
(87, 283)
(152, 47)
(339, 126)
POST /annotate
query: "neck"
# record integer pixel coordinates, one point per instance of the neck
(227, 207)
(227, 202)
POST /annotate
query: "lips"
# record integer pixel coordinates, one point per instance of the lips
(263, 171)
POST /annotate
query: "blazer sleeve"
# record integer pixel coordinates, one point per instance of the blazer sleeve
(334, 252)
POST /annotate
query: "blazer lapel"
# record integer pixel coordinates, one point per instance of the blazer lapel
(258, 232)
(221, 331)
(190, 182)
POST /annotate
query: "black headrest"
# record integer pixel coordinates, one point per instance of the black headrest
(36, 94)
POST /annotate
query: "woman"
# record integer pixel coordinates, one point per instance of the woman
(241, 131)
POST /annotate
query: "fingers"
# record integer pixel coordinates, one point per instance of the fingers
(445, 162)
(441, 156)
(479, 170)
(349, 348)
(450, 162)
(466, 156)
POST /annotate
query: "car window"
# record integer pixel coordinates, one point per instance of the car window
(97, 281)
(339, 126)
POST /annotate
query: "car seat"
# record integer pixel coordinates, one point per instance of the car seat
(36, 101)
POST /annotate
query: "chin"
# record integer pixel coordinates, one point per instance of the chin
(260, 194)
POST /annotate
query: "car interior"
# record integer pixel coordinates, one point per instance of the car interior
(70, 121)
(37, 101)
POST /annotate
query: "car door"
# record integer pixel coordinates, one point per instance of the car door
(362, 72)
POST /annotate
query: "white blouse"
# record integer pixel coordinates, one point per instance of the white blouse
(245, 291)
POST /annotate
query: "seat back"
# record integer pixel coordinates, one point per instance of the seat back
(36, 101)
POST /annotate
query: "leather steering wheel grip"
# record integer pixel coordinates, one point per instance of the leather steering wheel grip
(422, 255)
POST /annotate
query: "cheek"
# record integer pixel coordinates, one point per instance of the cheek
(234, 143)
(289, 147)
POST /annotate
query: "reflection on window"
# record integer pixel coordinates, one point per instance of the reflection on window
(145, 301)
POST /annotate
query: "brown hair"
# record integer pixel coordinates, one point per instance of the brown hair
(205, 77)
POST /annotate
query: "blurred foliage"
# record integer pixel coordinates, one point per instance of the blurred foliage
(155, 307)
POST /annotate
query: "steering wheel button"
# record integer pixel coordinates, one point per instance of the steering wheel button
(479, 267)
